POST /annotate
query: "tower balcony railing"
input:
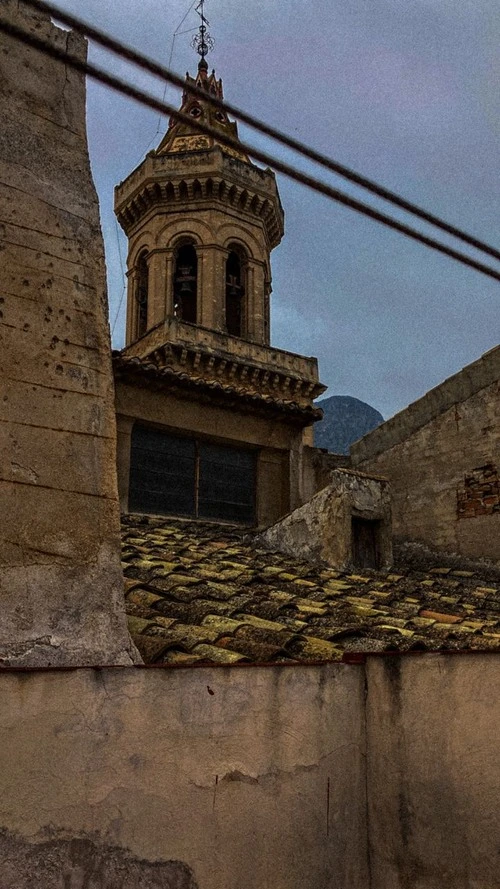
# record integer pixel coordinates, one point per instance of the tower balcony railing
(223, 347)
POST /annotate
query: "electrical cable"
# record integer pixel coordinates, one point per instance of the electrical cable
(154, 68)
(140, 96)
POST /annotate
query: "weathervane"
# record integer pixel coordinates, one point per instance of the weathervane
(202, 42)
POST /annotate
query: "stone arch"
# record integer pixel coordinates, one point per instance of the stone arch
(143, 241)
(232, 232)
(184, 226)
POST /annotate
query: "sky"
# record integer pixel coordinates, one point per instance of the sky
(407, 94)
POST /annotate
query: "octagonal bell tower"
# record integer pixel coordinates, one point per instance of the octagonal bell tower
(201, 220)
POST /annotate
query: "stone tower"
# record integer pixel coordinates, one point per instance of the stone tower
(201, 220)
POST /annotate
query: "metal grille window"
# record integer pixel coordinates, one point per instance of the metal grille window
(172, 475)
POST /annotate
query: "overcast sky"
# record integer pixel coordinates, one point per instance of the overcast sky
(406, 93)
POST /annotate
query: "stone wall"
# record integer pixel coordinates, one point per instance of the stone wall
(279, 445)
(347, 524)
(442, 458)
(60, 584)
(376, 775)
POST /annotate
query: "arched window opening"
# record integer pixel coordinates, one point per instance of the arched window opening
(185, 283)
(235, 293)
(142, 293)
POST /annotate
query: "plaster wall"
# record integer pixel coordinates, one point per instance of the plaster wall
(213, 778)
(433, 772)
(60, 584)
(442, 458)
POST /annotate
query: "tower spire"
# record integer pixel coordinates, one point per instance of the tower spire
(202, 42)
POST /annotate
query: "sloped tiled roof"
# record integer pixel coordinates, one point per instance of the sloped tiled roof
(206, 593)
(145, 372)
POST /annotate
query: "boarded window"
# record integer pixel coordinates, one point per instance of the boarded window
(173, 475)
(365, 543)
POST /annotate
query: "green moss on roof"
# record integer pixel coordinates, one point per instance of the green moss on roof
(205, 593)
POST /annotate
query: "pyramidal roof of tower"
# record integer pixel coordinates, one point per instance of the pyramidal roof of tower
(182, 136)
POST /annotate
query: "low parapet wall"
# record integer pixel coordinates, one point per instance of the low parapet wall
(183, 779)
(381, 774)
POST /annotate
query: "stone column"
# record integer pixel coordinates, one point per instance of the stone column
(61, 587)
(131, 307)
(210, 292)
(255, 301)
(168, 283)
(156, 289)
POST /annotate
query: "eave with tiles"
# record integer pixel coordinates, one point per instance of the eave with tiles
(272, 376)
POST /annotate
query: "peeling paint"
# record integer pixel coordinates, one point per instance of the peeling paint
(84, 863)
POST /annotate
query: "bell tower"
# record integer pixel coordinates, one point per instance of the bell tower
(201, 221)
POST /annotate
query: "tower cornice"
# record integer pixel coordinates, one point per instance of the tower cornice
(169, 183)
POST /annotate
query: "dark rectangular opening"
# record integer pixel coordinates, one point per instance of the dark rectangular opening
(365, 543)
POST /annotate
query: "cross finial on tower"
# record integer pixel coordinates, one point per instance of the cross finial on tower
(202, 42)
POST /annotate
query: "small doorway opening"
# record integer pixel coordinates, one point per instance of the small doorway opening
(365, 543)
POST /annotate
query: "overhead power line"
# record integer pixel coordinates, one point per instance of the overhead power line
(149, 101)
(143, 62)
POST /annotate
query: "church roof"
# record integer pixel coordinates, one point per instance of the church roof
(206, 593)
(183, 136)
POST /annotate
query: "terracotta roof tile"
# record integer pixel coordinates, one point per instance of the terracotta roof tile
(205, 593)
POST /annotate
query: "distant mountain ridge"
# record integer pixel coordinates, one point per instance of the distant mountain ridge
(345, 420)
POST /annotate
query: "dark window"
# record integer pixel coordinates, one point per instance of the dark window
(185, 283)
(235, 292)
(365, 543)
(226, 483)
(141, 294)
(161, 469)
(172, 475)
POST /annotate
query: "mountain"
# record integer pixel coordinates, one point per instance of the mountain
(345, 420)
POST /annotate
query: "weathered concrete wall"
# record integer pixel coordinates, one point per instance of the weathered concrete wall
(323, 527)
(433, 771)
(185, 779)
(442, 458)
(60, 584)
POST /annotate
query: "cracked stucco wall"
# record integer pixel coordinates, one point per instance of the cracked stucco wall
(241, 778)
(60, 584)
(382, 775)
(433, 772)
